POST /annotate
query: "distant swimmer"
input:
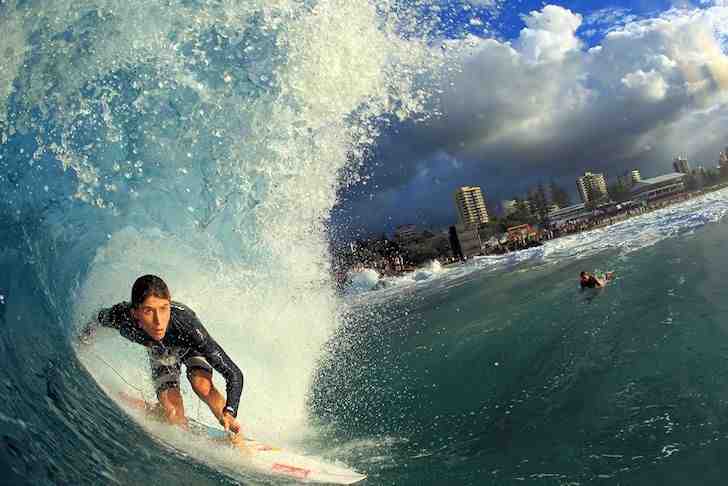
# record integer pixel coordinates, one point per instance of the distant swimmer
(173, 336)
(589, 281)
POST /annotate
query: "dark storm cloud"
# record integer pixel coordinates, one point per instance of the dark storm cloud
(546, 107)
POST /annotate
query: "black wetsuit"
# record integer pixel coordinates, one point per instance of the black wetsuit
(185, 342)
(591, 283)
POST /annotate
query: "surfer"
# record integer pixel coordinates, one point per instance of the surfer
(173, 336)
(2, 306)
(587, 280)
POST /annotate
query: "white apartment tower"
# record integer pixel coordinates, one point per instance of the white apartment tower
(471, 206)
(592, 187)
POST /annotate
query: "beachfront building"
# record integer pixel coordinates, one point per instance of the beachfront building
(573, 213)
(465, 241)
(592, 188)
(405, 233)
(521, 233)
(471, 206)
(681, 165)
(658, 187)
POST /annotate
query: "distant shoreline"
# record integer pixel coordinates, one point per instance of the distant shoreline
(548, 233)
(655, 205)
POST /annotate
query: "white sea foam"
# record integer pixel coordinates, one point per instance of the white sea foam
(362, 280)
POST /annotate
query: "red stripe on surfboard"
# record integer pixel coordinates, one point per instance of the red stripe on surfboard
(133, 401)
(296, 472)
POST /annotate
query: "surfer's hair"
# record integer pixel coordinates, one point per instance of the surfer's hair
(147, 285)
(582, 274)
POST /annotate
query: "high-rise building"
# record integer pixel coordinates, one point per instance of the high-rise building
(592, 187)
(681, 165)
(635, 176)
(471, 206)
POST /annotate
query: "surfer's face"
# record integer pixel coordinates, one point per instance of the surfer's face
(153, 316)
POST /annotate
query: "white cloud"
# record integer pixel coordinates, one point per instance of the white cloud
(484, 3)
(649, 85)
(549, 34)
(545, 102)
(546, 95)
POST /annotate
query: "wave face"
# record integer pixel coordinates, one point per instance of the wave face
(203, 141)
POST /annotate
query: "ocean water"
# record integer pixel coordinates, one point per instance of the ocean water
(504, 372)
(206, 141)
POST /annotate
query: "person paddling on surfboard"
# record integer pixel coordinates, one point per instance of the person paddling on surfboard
(587, 280)
(173, 336)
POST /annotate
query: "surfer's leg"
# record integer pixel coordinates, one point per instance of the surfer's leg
(201, 381)
(166, 369)
(173, 406)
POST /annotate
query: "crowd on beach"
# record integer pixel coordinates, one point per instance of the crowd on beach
(394, 263)
(598, 219)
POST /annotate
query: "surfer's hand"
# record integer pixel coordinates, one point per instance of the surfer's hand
(230, 423)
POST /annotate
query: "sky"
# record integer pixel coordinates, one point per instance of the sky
(543, 92)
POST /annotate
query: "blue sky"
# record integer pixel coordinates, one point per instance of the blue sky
(543, 92)
(505, 20)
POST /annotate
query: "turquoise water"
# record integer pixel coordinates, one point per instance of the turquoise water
(516, 376)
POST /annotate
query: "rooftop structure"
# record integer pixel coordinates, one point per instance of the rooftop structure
(659, 186)
(562, 215)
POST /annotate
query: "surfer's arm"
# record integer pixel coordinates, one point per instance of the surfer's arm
(222, 363)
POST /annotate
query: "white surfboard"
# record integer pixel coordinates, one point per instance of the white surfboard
(265, 458)
(275, 461)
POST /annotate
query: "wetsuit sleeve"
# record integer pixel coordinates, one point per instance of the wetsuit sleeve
(106, 318)
(221, 362)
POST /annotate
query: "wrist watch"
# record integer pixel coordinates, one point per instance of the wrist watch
(228, 409)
